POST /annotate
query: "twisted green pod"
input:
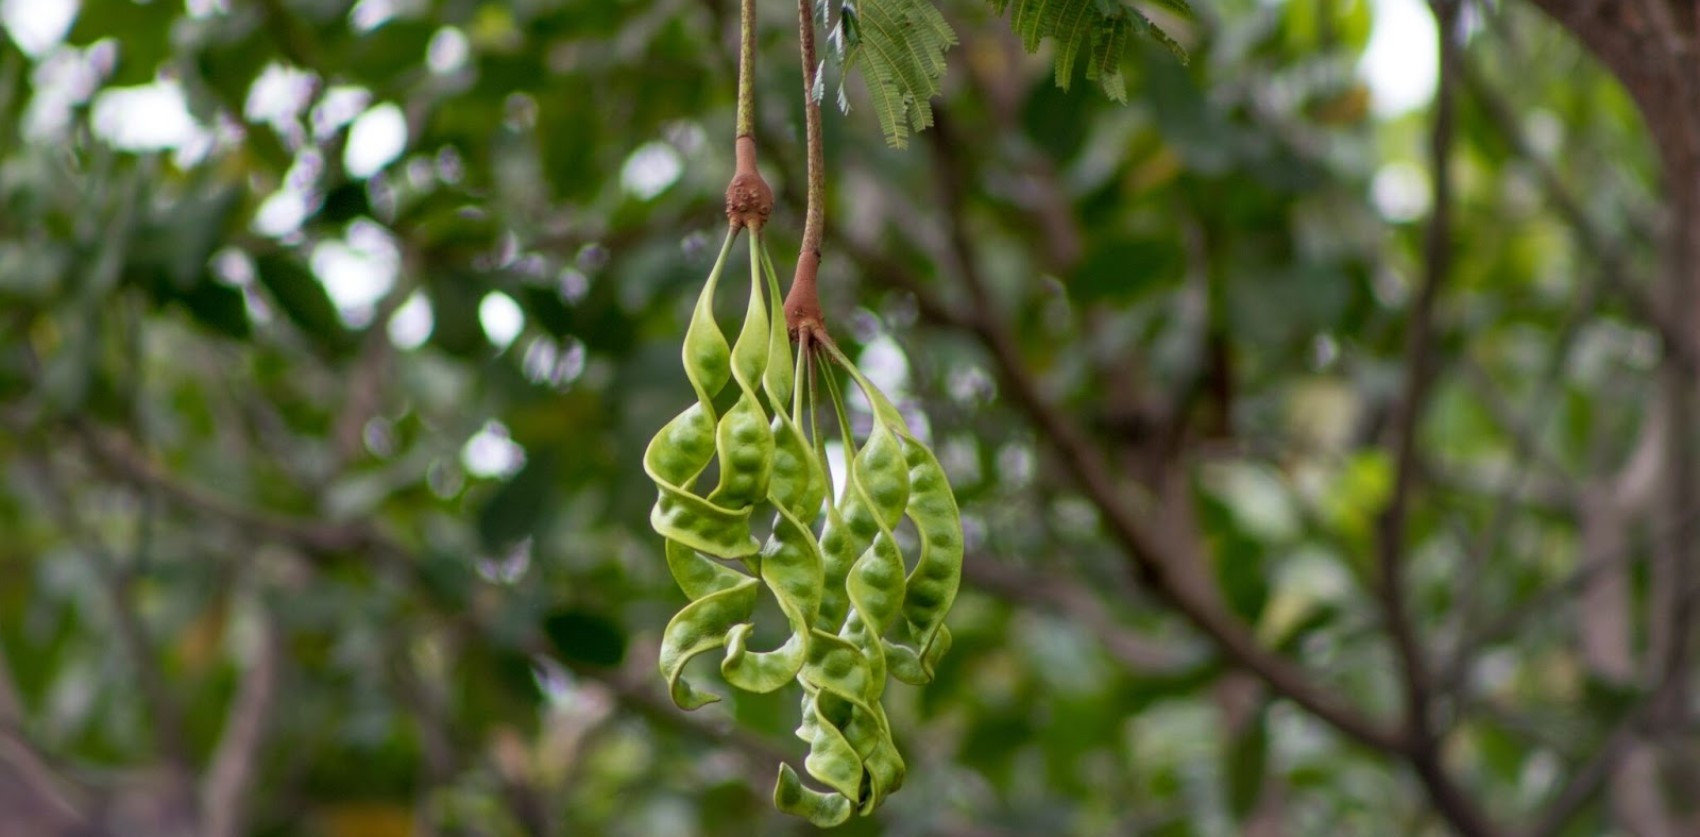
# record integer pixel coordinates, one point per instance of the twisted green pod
(853, 612)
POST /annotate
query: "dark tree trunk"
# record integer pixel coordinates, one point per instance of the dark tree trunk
(1653, 48)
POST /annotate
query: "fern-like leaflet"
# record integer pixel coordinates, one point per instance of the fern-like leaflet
(899, 48)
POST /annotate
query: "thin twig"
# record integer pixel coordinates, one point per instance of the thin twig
(11, 701)
(28, 771)
(320, 540)
(802, 304)
(749, 200)
(1607, 251)
(133, 636)
(1419, 378)
(746, 126)
(1586, 780)
(1077, 601)
(1423, 745)
(227, 787)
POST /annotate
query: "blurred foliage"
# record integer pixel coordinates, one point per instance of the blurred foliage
(267, 403)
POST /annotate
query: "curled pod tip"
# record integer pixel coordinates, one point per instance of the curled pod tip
(824, 810)
(702, 626)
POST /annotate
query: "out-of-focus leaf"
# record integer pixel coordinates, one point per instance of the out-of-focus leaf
(1246, 765)
(142, 32)
(515, 511)
(345, 203)
(302, 297)
(1123, 270)
(586, 637)
(454, 310)
(218, 307)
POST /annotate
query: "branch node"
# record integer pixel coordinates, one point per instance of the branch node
(749, 200)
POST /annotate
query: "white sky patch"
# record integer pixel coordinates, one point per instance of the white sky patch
(837, 468)
(150, 117)
(377, 138)
(572, 285)
(233, 267)
(501, 318)
(1400, 64)
(281, 214)
(1400, 192)
(206, 8)
(38, 25)
(357, 272)
(447, 51)
(339, 106)
(410, 326)
(278, 95)
(492, 453)
(63, 79)
(650, 169)
(370, 14)
(550, 364)
(1015, 464)
(885, 364)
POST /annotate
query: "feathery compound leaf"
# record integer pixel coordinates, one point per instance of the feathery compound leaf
(899, 46)
(1097, 27)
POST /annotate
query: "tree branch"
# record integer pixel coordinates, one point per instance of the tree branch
(229, 780)
(1607, 251)
(1587, 779)
(123, 462)
(1423, 744)
(1080, 603)
(132, 633)
(1149, 553)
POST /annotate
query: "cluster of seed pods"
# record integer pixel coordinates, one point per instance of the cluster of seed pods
(858, 608)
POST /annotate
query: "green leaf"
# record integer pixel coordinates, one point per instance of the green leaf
(1248, 759)
(301, 296)
(1125, 270)
(218, 307)
(345, 203)
(454, 312)
(899, 45)
(142, 32)
(581, 636)
(1097, 28)
(515, 510)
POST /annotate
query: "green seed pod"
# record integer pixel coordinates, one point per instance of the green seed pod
(851, 610)
(790, 567)
(921, 637)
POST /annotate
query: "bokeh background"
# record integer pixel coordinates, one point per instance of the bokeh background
(331, 335)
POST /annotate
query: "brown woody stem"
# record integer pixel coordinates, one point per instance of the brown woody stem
(749, 200)
(802, 305)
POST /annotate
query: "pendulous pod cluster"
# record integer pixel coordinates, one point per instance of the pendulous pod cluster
(858, 609)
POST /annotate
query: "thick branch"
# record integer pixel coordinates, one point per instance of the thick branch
(1149, 554)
